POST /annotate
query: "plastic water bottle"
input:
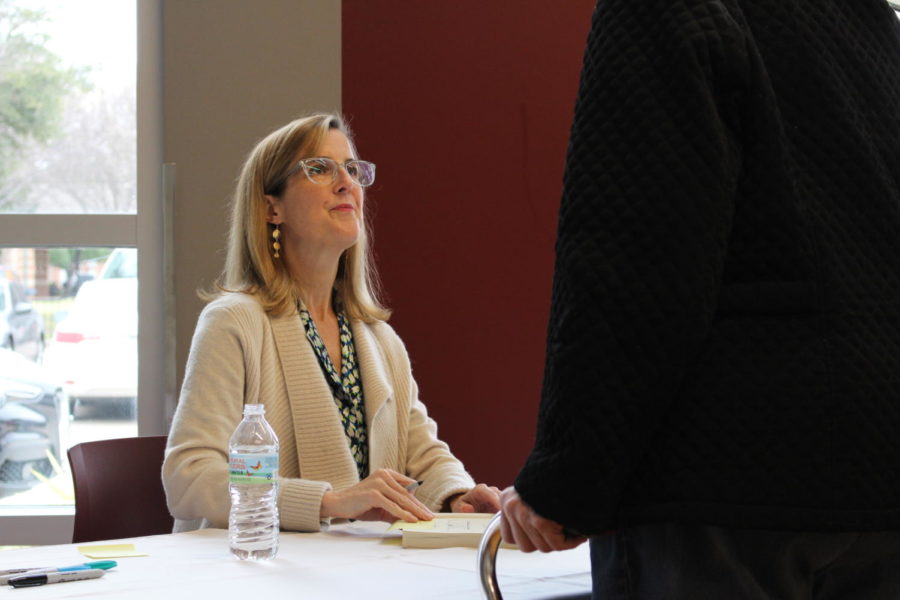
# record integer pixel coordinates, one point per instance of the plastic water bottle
(253, 482)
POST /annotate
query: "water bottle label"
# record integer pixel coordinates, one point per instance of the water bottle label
(253, 468)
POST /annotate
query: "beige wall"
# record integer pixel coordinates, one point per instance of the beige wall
(233, 71)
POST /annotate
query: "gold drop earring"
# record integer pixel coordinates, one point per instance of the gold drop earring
(276, 245)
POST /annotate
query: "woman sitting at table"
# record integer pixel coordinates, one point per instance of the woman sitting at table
(296, 326)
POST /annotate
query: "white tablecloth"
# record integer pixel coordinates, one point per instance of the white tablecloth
(355, 560)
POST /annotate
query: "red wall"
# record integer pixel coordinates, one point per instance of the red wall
(465, 106)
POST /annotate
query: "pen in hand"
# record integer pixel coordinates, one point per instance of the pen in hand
(413, 486)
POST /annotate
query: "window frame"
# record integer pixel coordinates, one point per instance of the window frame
(144, 231)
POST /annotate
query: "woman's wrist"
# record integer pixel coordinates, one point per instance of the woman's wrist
(325, 509)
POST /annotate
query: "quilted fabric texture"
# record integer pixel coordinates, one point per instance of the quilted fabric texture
(724, 338)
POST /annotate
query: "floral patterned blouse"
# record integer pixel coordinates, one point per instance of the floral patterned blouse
(346, 387)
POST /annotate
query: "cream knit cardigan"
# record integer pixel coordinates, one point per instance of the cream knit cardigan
(240, 355)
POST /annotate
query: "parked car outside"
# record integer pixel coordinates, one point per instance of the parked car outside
(121, 264)
(21, 327)
(94, 347)
(34, 422)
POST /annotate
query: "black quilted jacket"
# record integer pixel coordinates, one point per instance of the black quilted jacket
(724, 338)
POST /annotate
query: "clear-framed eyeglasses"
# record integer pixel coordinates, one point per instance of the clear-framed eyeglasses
(323, 170)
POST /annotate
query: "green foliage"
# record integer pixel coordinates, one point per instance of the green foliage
(68, 258)
(33, 86)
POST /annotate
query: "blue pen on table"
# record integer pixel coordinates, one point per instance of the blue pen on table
(32, 580)
(8, 574)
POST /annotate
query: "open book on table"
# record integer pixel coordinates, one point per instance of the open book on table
(446, 530)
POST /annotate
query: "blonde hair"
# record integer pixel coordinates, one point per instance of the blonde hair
(249, 263)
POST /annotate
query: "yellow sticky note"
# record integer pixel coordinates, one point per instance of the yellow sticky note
(417, 526)
(110, 551)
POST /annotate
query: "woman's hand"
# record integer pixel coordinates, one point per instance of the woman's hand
(381, 496)
(481, 498)
(530, 531)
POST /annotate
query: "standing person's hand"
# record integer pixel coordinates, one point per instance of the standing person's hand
(382, 496)
(530, 531)
(481, 498)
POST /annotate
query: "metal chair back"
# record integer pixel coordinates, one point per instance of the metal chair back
(487, 559)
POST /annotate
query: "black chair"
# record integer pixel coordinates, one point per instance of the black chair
(118, 489)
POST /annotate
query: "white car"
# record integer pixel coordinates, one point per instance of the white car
(121, 264)
(94, 348)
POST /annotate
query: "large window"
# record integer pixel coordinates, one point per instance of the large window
(67, 86)
(68, 363)
(80, 238)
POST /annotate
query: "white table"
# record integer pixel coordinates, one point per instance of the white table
(354, 560)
